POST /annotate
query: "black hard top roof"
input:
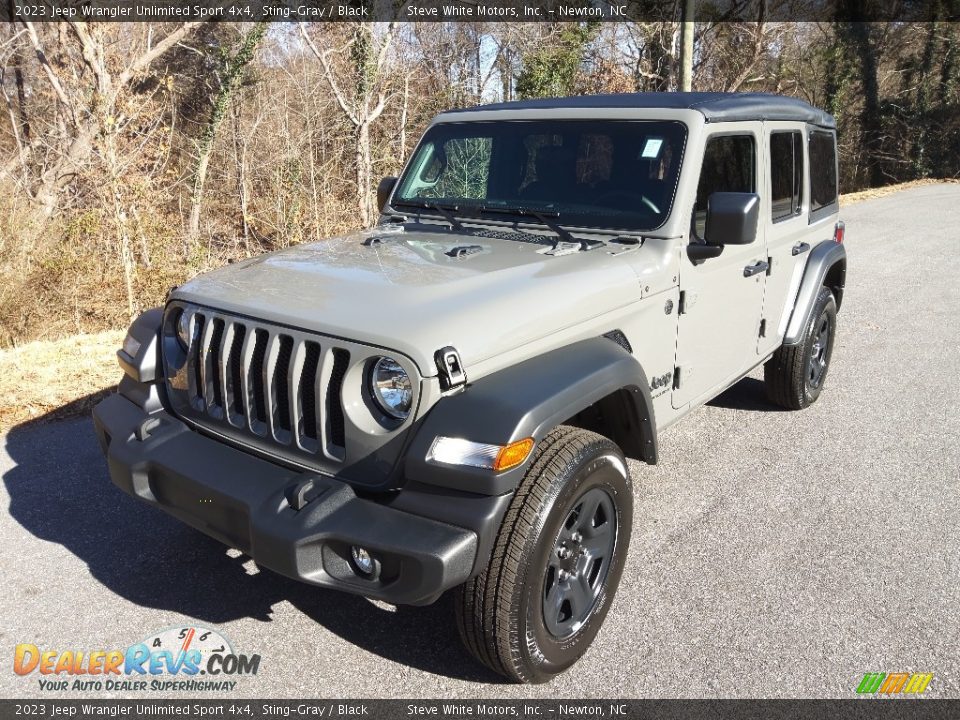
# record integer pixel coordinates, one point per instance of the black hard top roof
(714, 106)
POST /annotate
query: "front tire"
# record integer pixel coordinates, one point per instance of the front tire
(794, 376)
(557, 561)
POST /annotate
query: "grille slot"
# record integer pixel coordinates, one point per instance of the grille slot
(255, 396)
(307, 393)
(212, 388)
(280, 389)
(195, 363)
(268, 386)
(234, 375)
(341, 358)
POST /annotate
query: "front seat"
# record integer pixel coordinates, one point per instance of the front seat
(556, 175)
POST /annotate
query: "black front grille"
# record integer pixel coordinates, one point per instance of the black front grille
(265, 382)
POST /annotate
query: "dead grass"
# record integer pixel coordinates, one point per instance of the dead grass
(855, 197)
(54, 379)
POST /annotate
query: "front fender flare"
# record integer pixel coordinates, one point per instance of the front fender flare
(529, 400)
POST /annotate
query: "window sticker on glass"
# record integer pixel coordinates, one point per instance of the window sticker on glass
(652, 147)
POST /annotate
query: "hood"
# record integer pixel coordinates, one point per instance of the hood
(412, 293)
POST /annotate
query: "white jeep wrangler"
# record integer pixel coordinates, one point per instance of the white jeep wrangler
(448, 400)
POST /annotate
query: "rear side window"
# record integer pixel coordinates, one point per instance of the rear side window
(729, 165)
(786, 174)
(823, 172)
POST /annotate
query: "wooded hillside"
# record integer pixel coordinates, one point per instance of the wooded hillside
(133, 156)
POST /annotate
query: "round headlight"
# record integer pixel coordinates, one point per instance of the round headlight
(391, 388)
(183, 329)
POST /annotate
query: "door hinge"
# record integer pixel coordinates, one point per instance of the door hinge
(676, 378)
(769, 265)
(687, 300)
(763, 328)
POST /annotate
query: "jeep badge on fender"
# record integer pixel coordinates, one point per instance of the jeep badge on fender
(449, 400)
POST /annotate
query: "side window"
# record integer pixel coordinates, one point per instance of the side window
(786, 175)
(729, 165)
(823, 171)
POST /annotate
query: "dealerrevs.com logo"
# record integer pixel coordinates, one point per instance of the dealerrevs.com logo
(894, 683)
(176, 659)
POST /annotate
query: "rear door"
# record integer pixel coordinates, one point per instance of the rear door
(717, 330)
(783, 216)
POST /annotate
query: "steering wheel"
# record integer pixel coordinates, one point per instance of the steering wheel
(614, 195)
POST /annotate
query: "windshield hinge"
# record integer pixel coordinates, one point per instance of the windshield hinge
(450, 368)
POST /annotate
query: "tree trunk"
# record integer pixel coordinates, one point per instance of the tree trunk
(233, 71)
(686, 47)
(364, 172)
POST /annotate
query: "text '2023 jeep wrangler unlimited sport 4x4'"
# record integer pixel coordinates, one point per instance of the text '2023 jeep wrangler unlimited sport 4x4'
(448, 399)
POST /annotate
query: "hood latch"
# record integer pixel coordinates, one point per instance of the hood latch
(450, 368)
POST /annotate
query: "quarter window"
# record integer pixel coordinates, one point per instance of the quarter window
(823, 170)
(729, 165)
(786, 175)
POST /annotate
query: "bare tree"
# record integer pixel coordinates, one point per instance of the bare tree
(365, 101)
(87, 101)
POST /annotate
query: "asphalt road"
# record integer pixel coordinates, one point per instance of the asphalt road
(775, 554)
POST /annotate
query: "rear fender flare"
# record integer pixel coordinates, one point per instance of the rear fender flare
(826, 266)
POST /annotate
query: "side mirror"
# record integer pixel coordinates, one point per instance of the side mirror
(383, 191)
(732, 218)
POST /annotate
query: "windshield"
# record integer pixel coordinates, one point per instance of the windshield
(617, 174)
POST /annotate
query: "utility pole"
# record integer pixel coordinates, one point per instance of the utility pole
(686, 47)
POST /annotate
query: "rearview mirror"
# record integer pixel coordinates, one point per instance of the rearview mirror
(732, 218)
(383, 191)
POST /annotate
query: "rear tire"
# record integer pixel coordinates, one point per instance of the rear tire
(794, 376)
(557, 561)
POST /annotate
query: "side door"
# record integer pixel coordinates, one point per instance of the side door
(721, 299)
(784, 220)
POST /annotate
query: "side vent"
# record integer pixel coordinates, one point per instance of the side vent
(620, 339)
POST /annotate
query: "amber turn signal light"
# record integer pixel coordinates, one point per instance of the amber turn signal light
(513, 454)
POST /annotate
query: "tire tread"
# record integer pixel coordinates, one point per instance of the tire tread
(483, 604)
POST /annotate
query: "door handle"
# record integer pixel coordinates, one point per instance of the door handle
(800, 248)
(755, 269)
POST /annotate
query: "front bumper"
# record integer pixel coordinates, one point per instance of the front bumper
(249, 503)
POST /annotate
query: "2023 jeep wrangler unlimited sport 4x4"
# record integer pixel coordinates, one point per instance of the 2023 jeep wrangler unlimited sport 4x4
(447, 400)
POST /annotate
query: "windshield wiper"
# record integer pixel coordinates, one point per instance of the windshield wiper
(437, 207)
(545, 218)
